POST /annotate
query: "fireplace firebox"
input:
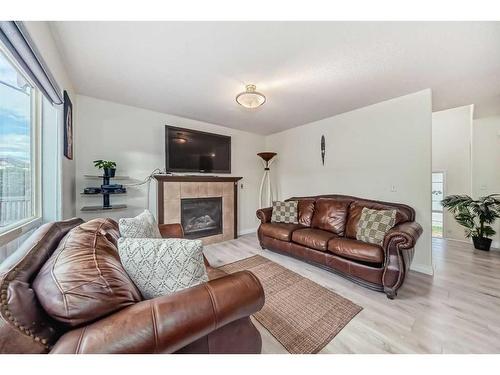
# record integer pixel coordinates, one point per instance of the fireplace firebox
(201, 217)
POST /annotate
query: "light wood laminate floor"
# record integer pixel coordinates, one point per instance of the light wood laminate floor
(455, 311)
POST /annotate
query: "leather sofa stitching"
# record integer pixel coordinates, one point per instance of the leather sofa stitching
(80, 340)
(214, 305)
(94, 256)
(63, 294)
(155, 326)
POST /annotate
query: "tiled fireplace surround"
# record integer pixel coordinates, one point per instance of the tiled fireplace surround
(171, 189)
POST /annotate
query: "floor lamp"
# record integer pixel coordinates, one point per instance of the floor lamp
(266, 200)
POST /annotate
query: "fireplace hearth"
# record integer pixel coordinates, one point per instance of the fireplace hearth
(201, 217)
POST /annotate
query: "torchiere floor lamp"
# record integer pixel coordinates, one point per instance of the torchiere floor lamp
(266, 200)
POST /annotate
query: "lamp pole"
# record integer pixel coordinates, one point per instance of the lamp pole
(266, 200)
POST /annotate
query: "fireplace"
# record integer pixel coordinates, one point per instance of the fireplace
(201, 217)
(172, 190)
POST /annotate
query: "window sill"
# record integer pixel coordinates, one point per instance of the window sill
(19, 230)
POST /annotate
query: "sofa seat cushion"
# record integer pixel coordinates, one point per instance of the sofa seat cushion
(356, 250)
(279, 231)
(313, 238)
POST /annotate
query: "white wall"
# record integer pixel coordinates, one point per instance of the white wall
(451, 154)
(486, 161)
(134, 138)
(44, 40)
(369, 152)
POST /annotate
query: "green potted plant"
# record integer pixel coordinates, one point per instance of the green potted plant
(109, 167)
(476, 216)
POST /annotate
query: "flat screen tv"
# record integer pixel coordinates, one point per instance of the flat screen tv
(189, 150)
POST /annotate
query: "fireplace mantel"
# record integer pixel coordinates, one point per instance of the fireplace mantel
(195, 178)
(172, 189)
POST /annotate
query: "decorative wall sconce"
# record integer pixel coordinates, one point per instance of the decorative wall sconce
(323, 151)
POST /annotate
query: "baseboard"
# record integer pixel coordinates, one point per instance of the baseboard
(247, 231)
(422, 268)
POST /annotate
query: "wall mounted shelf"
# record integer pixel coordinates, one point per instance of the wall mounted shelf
(98, 177)
(115, 207)
(106, 204)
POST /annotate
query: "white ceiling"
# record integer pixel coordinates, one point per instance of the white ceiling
(307, 70)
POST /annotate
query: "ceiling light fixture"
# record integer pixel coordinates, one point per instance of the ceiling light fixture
(250, 98)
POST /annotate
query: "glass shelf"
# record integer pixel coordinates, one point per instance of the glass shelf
(99, 194)
(114, 207)
(111, 178)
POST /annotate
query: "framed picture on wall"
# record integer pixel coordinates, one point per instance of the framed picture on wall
(68, 127)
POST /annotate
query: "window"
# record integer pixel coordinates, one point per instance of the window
(437, 207)
(19, 182)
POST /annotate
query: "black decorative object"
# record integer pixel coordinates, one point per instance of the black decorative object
(68, 127)
(323, 149)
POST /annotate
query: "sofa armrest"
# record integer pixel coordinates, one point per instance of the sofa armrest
(171, 230)
(264, 214)
(169, 323)
(399, 245)
(405, 235)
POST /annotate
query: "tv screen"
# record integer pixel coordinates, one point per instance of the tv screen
(189, 150)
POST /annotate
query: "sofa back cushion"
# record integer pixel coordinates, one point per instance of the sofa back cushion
(84, 280)
(331, 214)
(403, 213)
(24, 325)
(306, 211)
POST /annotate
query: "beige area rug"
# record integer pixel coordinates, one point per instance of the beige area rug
(302, 315)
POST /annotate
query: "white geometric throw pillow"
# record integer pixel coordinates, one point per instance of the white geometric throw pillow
(142, 226)
(285, 212)
(374, 224)
(162, 266)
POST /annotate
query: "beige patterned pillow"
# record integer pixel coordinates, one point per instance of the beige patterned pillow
(285, 212)
(142, 226)
(374, 224)
(162, 266)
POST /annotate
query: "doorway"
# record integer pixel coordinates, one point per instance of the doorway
(437, 207)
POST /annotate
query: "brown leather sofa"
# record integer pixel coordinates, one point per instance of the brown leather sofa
(213, 317)
(326, 236)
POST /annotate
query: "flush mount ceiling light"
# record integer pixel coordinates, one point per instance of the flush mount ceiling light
(250, 98)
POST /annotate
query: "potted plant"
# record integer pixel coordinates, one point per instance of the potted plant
(109, 167)
(476, 216)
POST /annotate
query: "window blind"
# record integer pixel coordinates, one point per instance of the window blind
(16, 39)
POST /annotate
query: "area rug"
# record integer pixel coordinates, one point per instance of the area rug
(302, 315)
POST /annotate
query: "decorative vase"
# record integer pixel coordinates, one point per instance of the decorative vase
(109, 172)
(266, 200)
(482, 243)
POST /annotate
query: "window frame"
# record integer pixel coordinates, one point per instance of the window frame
(17, 229)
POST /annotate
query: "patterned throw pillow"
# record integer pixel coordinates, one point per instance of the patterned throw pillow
(162, 266)
(142, 226)
(374, 224)
(285, 212)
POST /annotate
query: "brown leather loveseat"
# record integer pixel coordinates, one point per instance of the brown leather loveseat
(213, 317)
(326, 236)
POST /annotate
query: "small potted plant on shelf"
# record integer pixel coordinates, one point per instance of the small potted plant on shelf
(109, 167)
(476, 216)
